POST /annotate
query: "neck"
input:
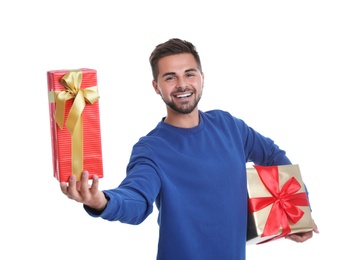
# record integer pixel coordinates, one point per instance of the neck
(183, 120)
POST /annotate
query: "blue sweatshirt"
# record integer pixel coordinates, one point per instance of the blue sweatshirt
(197, 179)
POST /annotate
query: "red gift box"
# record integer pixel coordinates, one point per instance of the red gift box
(75, 123)
(278, 203)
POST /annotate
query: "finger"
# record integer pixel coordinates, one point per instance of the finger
(63, 186)
(316, 229)
(301, 237)
(295, 238)
(72, 191)
(305, 237)
(95, 184)
(84, 186)
(84, 181)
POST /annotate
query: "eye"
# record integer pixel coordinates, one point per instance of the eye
(169, 78)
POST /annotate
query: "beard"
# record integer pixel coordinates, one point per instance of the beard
(183, 108)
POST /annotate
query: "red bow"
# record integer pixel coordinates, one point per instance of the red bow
(285, 202)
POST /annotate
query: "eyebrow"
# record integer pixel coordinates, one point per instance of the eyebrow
(173, 73)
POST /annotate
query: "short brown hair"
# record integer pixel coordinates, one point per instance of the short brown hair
(171, 47)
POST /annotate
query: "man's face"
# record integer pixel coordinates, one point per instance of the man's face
(179, 83)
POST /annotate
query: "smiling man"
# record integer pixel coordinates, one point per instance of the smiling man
(180, 84)
(192, 166)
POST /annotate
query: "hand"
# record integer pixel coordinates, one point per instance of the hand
(302, 237)
(85, 193)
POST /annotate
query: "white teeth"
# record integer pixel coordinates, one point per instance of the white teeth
(184, 95)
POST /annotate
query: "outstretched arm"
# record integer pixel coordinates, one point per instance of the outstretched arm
(81, 191)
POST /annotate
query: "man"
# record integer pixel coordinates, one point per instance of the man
(192, 165)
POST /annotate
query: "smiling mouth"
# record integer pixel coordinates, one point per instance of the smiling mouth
(186, 95)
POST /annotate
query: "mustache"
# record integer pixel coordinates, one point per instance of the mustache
(182, 90)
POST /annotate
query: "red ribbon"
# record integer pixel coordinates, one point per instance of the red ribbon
(285, 202)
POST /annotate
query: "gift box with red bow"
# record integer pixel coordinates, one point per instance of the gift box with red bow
(74, 123)
(278, 203)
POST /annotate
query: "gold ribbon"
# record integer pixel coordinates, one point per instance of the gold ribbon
(71, 81)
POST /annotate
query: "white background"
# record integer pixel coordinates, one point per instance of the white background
(288, 68)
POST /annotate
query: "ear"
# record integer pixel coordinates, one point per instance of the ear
(154, 84)
(203, 79)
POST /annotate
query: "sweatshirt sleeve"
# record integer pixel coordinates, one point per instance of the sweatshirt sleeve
(132, 201)
(261, 150)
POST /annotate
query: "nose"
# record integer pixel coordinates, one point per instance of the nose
(181, 82)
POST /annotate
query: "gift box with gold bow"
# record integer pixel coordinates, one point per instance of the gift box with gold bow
(75, 123)
(278, 203)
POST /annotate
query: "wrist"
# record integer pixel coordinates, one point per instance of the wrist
(100, 205)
